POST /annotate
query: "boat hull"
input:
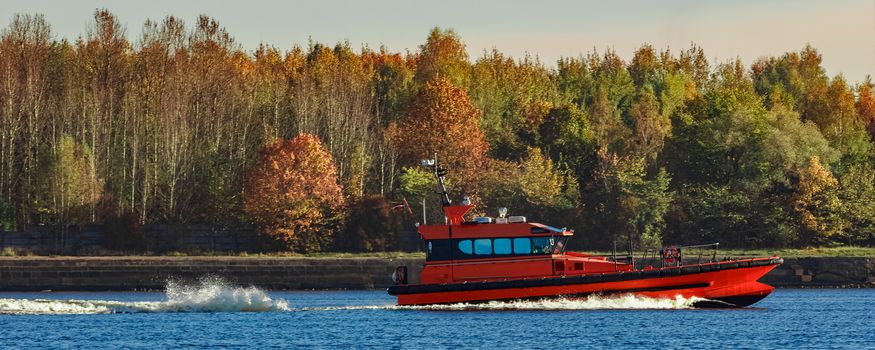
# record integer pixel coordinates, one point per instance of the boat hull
(723, 284)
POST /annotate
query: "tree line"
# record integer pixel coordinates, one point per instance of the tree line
(182, 125)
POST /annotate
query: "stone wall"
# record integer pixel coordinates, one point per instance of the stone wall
(152, 273)
(823, 272)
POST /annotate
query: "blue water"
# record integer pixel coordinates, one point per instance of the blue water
(231, 317)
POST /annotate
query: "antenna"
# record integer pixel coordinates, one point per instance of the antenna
(439, 174)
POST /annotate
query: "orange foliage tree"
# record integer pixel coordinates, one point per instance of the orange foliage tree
(442, 120)
(443, 55)
(866, 106)
(292, 193)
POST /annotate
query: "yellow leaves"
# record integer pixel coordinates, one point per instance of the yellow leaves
(866, 106)
(816, 178)
(535, 185)
(242, 65)
(817, 201)
(443, 56)
(539, 180)
(70, 181)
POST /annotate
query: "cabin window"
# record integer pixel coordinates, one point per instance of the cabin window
(456, 249)
(438, 249)
(542, 245)
(483, 246)
(522, 246)
(466, 247)
(501, 246)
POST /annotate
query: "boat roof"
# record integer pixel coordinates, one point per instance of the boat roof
(490, 230)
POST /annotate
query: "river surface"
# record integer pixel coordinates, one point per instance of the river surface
(216, 315)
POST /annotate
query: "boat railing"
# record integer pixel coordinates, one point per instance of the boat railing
(629, 258)
(676, 255)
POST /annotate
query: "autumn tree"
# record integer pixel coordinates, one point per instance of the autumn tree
(818, 204)
(69, 186)
(26, 55)
(392, 82)
(799, 77)
(842, 125)
(543, 184)
(443, 56)
(292, 193)
(101, 74)
(866, 106)
(693, 63)
(442, 120)
(333, 100)
(651, 127)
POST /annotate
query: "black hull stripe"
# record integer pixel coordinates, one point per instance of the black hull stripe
(585, 279)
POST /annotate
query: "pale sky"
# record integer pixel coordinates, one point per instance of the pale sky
(842, 30)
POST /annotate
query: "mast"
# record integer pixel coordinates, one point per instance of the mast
(439, 174)
(454, 213)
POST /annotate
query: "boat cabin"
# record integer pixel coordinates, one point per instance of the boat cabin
(502, 248)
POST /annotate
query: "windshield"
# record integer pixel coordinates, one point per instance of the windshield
(560, 246)
(549, 245)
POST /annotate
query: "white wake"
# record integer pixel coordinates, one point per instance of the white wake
(592, 302)
(209, 295)
(216, 295)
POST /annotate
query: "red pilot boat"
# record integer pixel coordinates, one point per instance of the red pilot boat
(510, 259)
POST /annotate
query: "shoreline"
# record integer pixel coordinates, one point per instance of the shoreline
(151, 273)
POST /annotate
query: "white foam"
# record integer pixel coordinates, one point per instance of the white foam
(209, 295)
(592, 302)
(216, 295)
(48, 306)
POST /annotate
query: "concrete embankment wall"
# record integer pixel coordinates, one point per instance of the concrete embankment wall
(823, 272)
(152, 273)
